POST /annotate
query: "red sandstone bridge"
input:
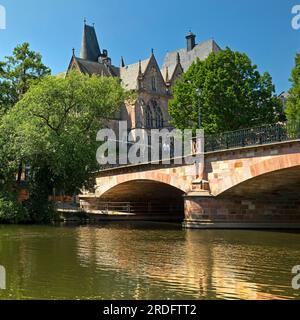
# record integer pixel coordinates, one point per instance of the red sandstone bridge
(251, 179)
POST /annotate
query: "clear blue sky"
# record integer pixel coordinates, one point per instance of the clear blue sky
(260, 28)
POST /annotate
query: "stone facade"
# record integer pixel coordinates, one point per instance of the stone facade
(151, 83)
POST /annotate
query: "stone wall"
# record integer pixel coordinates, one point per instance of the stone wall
(227, 169)
(212, 212)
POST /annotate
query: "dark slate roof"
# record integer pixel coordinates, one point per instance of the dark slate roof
(102, 69)
(90, 49)
(200, 51)
(129, 74)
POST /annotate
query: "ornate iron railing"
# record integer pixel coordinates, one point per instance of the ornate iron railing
(272, 133)
(266, 134)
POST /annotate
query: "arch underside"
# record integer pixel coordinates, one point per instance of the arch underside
(274, 186)
(147, 198)
(259, 173)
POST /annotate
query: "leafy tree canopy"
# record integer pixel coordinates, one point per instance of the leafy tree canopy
(293, 102)
(234, 95)
(17, 73)
(53, 128)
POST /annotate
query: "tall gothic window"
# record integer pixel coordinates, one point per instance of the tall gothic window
(154, 83)
(159, 119)
(149, 117)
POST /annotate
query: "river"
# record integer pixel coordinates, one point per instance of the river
(146, 261)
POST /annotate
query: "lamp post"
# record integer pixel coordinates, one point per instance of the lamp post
(199, 93)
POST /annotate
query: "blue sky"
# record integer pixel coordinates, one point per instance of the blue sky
(260, 28)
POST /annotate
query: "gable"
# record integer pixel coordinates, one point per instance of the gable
(153, 74)
(176, 74)
(74, 65)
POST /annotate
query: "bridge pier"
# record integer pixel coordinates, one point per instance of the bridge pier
(204, 211)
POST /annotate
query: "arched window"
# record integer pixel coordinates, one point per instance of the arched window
(153, 83)
(149, 117)
(159, 119)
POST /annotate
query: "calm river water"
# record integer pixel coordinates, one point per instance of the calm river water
(146, 261)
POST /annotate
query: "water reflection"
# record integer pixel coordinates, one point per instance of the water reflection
(199, 264)
(138, 261)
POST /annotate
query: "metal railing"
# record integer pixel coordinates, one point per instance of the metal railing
(266, 134)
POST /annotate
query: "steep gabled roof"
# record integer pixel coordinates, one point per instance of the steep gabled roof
(173, 72)
(168, 70)
(200, 51)
(91, 67)
(129, 74)
(90, 49)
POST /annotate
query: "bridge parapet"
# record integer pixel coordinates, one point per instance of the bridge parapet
(233, 140)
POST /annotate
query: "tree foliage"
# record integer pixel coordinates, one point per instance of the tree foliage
(293, 102)
(234, 95)
(17, 73)
(53, 130)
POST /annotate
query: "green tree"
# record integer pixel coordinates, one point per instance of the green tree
(17, 72)
(293, 102)
(234, 95)
(53, 130)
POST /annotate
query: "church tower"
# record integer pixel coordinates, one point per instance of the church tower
(90, 49)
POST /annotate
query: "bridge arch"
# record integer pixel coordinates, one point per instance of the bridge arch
(172, 177)
(281, 185)
(141, 190)
(145, 198)
(285, 168)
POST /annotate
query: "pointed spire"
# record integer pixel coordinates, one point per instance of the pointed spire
(73, 52)
(122, 63)
(178, 58)
(90, 49)
(140, 77)
(152, 52)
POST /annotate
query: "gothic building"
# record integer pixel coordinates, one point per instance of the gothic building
(151, 83)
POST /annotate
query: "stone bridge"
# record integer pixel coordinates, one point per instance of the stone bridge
(247, 187)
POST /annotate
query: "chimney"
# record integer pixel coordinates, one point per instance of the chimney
(191, 41)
